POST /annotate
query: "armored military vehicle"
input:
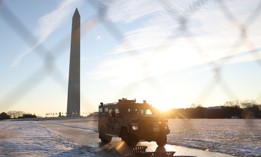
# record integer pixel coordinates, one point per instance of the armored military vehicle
(131, 121)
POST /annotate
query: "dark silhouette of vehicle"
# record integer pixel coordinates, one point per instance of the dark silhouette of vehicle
(133, 122)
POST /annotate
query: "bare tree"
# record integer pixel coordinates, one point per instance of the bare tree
(195, 105)
(241, 104)
(15, 114)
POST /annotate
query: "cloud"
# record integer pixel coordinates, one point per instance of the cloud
(132, 10)
(158, 45)
(48, 24)
(53, 20)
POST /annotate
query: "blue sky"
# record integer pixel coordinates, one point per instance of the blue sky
(170, 53)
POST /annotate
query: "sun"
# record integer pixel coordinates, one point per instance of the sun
(158, 98)
(163, 104)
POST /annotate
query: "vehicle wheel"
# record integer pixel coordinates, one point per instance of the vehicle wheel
(129, 139)
(161, 141)
(104, 138)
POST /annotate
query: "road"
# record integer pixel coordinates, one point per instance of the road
(84, 133)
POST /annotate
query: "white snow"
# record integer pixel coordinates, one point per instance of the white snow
(235, 137)
(28, 138)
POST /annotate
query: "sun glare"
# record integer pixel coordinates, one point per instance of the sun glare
(158, 98)
(161, 104)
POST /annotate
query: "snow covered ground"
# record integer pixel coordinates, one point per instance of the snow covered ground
(28, 138)
(239, 137)
(57, 137)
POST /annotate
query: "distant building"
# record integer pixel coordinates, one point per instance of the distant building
(3, 115)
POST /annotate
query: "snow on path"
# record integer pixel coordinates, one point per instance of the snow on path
(28, 138)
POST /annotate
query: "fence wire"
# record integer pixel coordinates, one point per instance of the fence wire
(182, 18)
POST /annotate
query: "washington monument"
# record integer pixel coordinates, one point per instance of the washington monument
(73, 102)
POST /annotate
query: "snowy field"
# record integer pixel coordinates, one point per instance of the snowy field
(237, 137)
(28, 138)
(230, 136)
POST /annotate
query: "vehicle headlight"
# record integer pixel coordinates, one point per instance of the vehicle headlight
(135, 126)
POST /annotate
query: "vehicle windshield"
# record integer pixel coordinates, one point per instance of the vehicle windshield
(137, 111)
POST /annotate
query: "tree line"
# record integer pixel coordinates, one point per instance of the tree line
(16, 114)
(231, 109)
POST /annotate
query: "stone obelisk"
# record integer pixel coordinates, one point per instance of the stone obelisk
(73, 102)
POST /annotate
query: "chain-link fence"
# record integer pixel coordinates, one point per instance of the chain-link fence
(174, 21)
(180, 18)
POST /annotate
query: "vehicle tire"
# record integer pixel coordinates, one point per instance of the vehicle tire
(129, 139)
(161, 141)
(104, 138)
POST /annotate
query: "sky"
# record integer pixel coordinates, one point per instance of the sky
(172, 53)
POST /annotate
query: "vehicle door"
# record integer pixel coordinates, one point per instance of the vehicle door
(115, 122)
